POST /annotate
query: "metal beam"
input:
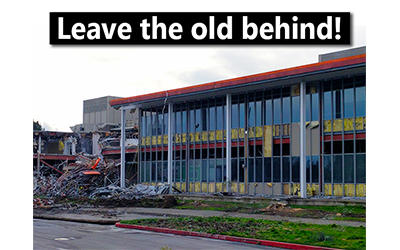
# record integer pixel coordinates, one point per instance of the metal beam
(170, 149)
(303, 184)
(122, 143)
(228, 141)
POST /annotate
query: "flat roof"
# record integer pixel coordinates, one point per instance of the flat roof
(239, 81)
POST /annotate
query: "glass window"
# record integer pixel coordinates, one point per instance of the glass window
(178, 122)
(348, 168)
(360, 168)
(337, 104)
(285, 169)
(259, 167)
(165, 171)
(183, 121)
(268, 112)
(295, 169)
(212, 118)
(204, 170)
(277, 169)
(211, 170)
(198, 126)
(191, 121)
(197, 170)
(165, 127)
(348, 102)
(142, 171)
(327, 105)
(267, 169)
(148, 171)
(360, 101)
(308, 167)
(286, 110)
(148, 123)
(296, 109)
(315, 169)
(241, 115)
(241, 170)
(235, 115)
(327, 169)
(234, 169)
(250, 169)
(177, 171)
(315, 107)
(183, 171)
(191, 170)
(251, 114)
(219, 172)
(258, 113)
(220, 118)
(154, 125)
(308, 107)
(337, 169)
(277, 111)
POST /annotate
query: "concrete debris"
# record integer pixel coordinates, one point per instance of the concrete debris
(277, 206)
(93, 178)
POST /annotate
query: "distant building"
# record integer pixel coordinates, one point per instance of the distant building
(99, 116)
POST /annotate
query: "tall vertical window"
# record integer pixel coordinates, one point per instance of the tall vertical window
(296, 109)
(314, 107)
(212, 118)
(198, 126)
(251, 110)
(183, 121)
(337, 98)
(286, 105)
(360, 100)
(277, 106)
(220, 118)
(191, 120)
(327, 101)
(178, 122)
(241, 111)
(268, 108)
(235, 115)
(348, 98)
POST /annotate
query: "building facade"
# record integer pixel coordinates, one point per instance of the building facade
(288, 132)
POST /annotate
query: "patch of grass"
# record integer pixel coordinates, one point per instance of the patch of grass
(310, 234)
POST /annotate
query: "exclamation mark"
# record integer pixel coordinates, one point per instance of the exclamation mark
(337, 24)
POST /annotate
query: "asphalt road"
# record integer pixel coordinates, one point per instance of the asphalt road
(54, 234)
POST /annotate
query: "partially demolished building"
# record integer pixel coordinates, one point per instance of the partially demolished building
(296, 131)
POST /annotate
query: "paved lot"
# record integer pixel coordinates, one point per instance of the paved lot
(56, 234)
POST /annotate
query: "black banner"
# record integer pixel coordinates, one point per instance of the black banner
(201, 28)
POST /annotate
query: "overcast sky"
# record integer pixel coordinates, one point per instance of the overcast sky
(64, 76)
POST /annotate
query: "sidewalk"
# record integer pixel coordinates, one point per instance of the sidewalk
(113, 215)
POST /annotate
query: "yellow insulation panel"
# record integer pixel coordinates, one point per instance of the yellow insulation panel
(204, 187)
(204, 136)
(165, 139)
(361, 190)
(259, 132)
(337, 125)
(241, 188)
(267, 141)
(219, 187)
(327, 126)
(337, 189)
(349, 190)
(348, 124)
(328, 189)
(159, 139)
(197, 136)
(251, 132)
(183, 138)
(234, 186)
(197, 187)
(211, 135)
(241, 133)
(148, 140)
(219, 135)
(235, 133)
(211, 187)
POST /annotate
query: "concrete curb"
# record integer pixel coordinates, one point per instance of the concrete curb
(225, 237)
(81, 220)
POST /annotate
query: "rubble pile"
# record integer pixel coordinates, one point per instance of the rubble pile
(91, 178)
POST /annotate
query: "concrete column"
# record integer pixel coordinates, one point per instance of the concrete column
(122, 143)
(303, 184)
(170, 149)
(228, 142)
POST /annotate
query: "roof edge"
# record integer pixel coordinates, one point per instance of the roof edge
(345, 61)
